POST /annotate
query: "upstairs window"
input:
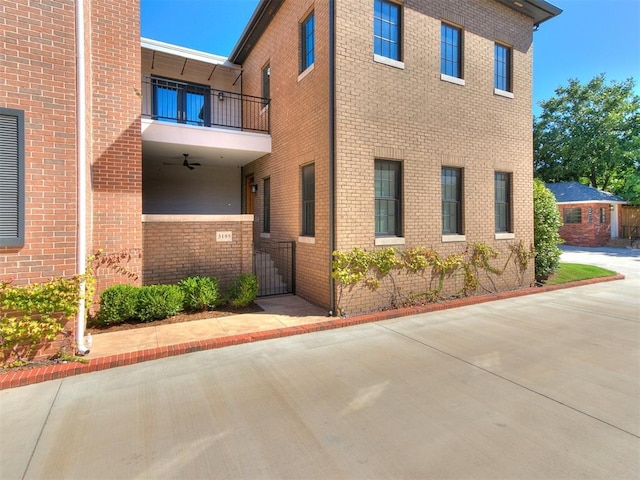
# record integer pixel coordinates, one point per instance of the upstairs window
(181, 102)
(387, 29)
(451, 51)
(307, 42)
(502, 68)
(388, 202)
(266, 84)
(12, 191)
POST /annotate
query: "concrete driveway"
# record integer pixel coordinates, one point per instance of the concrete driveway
(542, 386)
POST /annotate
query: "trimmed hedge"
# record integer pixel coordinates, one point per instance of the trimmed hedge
(121, 303)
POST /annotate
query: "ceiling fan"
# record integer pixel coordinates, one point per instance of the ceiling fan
(186, 163)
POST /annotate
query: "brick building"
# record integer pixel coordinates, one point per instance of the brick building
(590, 217)
(333, 124)
(399, 124)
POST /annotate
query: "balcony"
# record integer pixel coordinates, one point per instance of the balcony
(228, 128)
(200, 105)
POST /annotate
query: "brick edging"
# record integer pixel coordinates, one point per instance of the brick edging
(20, 378)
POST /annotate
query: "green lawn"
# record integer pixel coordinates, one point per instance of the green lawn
(571, 272)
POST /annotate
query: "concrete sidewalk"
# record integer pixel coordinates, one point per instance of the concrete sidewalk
(541, 386)
(278, 312)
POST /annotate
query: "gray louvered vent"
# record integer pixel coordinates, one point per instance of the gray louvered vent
(11, 188)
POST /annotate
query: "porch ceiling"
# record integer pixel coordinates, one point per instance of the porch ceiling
(166, 142)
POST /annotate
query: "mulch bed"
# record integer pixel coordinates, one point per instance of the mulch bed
(179, 318)
(224, 311)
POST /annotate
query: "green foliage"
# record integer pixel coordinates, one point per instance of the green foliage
(118, 303)
(200, 293)
(590, 133)
(573, 272)
(243, 290)
(546, 225)
(34, 313)
(156, 302)
(383, 268)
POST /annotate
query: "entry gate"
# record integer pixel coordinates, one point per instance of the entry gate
(274, 263)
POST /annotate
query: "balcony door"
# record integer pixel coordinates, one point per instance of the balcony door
(181, 102)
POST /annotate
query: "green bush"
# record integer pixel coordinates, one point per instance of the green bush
(243, 290)
(118, 303)
(546, 225)
(156, 302)
(200, 293)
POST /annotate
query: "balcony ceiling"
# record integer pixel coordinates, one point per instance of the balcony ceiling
(167, 142)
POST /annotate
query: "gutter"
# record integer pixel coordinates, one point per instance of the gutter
(332, 152)
(81, 260)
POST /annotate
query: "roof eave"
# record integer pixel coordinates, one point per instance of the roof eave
(258, 23)
(539, 10)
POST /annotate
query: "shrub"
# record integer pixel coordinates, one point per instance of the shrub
(156, 302)
(117, 304)
(200, 293)
(243, 290)
(546, 225)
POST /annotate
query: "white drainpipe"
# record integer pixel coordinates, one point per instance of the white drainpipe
(82, 174)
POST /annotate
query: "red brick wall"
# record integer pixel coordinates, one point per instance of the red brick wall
(37, 75)
(591, 232)
(116, 145)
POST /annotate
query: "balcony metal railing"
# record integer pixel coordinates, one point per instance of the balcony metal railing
(192, 104)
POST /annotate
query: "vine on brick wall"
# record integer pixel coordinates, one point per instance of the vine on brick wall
(382, 271)
(36, 313)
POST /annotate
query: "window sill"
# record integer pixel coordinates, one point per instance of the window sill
(388, 61)
(308, 240)
(505, 236)
(502, 93)
(265, 235)
(450, 79)
(307, 71)
(389, 241)
(453, 238)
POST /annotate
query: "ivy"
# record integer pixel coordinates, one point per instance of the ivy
(383, 268)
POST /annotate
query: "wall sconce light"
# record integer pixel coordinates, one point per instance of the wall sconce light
(254, 188)
(221, 96)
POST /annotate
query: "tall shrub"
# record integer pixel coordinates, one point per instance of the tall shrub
(546, 225)
(200, 293)
(243, 290)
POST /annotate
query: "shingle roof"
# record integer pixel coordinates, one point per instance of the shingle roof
(567, 192)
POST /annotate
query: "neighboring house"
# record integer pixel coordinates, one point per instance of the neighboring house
(590, 217)
(333, 124)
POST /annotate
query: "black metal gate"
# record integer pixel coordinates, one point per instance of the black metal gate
(274, 263)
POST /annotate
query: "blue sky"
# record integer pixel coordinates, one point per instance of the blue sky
(588, 38)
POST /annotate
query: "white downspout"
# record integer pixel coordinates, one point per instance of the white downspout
(81, 260)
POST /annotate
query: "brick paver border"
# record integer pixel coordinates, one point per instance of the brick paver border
(20, 378)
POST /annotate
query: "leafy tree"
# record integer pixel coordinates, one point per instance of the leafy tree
(546, 226)
(590, 133)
